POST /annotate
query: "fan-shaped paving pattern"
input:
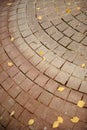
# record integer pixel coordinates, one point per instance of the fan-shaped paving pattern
(43, 45)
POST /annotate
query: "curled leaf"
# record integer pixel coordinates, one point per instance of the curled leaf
(80, 103)
(12, 113)
(61, 88)
(12, 39)
(60, 119)
(75, 119)
(55, 124)
(31, 122)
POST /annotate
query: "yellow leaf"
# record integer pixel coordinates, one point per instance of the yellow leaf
(68, 3)
(55, 124)
(60, 119)
(75, 119)
(31, 122)
(12, 113)
(80, 103)
(44, 58)
(38, 8)
(57, 9)
(9, 4)
(83, 65)
(10, 64)
(41, 53)
(12, 39)
(1, 118)
(78, 8)
(68, 11)
(39, 17)
(61, 89)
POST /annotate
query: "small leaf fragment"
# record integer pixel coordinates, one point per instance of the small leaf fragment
(78, 8)
(61, 88)
(39, 17)
(68, 11)
(38, 8)
(12, 113)
(75, 119)
(9, 4)
(44, 58)
(80, 103)
(60, 119)
(55, 124)
(12, 39)
(1, 118)
(41, 53)
(10, 64)
(31, 122)
(83, 65)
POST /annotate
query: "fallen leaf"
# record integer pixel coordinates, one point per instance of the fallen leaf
(60, 119)
(12, 113)
(39, 17)
(78, 8)
(68, 11)
(12, 39)
(9, 4)
(10, 64)
(68, 3)
(31, 122)
(55, 124)
(80, 103)
(41, 53)
(1, 118)
(38, 8)
(61, 88)
(44, 58)
(75, 119)
(57, 9)
(83, 65)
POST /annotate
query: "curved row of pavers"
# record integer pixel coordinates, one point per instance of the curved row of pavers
(4, 68)
(54, 70)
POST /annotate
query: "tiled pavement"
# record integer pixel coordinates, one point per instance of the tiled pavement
(43, 45)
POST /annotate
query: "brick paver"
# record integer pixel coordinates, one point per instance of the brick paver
(43, 64)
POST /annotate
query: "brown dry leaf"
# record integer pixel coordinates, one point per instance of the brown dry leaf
(68, 11)
(31, 122)
(12, 113)
(81, 103)
(83, 65)
(10, 64)
(61, 88)
(60, 119)
(55, 124)
(75, 119)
